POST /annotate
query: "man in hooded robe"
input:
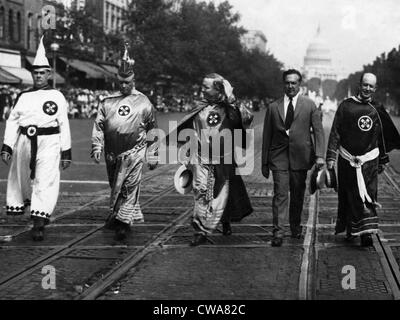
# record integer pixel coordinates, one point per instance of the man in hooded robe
(120, 131)
(361, 137)
(37, 137)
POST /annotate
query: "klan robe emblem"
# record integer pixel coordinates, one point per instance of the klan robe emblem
(50, 108)
(365, 123)
(214, 119)
(124, 111)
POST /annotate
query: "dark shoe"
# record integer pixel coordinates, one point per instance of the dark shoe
(276, 242)
(198, 240)
(350, 238)
(366, 240)
(38, 229)
(121, 230)
(226, 229)
(297, 232)
(110, 224)
(37, 234)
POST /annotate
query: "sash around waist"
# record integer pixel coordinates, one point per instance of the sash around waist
(32, 131)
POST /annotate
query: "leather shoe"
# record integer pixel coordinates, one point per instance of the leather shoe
(366, 240)
(349, 238)
(38, 229)
(276, 242)
(198, 240)
(121, 231)
(37, 234)
(226, 229)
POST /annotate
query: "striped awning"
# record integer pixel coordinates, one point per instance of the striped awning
(92, 70)
(20, 73)
(8, 78)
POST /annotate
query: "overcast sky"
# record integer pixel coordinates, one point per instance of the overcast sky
(357, 30)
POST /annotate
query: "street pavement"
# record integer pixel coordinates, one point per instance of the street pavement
(157, 263)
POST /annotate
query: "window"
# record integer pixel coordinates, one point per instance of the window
(11, 24)
(2, 23)
(19, 27)
(28, 30)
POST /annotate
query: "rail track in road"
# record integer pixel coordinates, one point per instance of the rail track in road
(372, 281)
(79, 226)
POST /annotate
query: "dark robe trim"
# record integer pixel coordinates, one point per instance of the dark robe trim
(6, 149)
(66, 155)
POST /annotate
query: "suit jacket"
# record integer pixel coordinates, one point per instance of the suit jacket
(298, 150)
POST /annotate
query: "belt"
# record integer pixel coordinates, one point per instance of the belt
(357, 162)
(32, 132)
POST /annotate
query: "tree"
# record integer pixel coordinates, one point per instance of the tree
(196, 39)
(81, 35)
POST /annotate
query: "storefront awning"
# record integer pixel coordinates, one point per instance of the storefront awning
(111, 69)
(7, 78)
(92, 70)
(21, 73)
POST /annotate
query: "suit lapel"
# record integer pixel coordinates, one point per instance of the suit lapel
(281, 109)
(298, 108)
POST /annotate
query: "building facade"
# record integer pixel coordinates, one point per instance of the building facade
(12, 24)
(111, 13)
(318, 61)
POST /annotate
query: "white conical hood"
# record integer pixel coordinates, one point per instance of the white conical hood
(41, 59)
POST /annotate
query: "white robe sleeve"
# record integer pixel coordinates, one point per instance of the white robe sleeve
(65, 131)
(12, 131)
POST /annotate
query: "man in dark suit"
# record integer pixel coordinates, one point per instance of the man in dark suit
(289, 151)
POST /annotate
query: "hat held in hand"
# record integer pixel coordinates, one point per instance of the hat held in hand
(317, 180)
(330, 179)
(183, 180)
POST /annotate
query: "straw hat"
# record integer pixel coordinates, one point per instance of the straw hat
(183, 180)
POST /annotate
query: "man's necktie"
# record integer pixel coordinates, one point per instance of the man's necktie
(289, 115)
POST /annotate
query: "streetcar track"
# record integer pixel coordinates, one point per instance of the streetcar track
(133, 259)
(380, 240)
(28, 227)
(63, 250)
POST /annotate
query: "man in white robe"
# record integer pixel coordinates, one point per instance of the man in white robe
(36, 138)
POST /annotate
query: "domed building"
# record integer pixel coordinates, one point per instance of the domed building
(318, 62)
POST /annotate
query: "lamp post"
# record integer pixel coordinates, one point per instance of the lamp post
(54, 47)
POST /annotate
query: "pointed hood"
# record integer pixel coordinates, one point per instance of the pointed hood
(41, 59)
(126, 69)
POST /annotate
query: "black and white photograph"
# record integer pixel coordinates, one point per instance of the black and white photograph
(199, 156)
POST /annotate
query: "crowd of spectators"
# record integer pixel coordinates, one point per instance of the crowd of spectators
(83, 103)
(8, 94)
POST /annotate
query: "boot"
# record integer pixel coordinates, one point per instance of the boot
(366, 240)
(226, 229)
(121, 230)
(198, 239)
(38, 229)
